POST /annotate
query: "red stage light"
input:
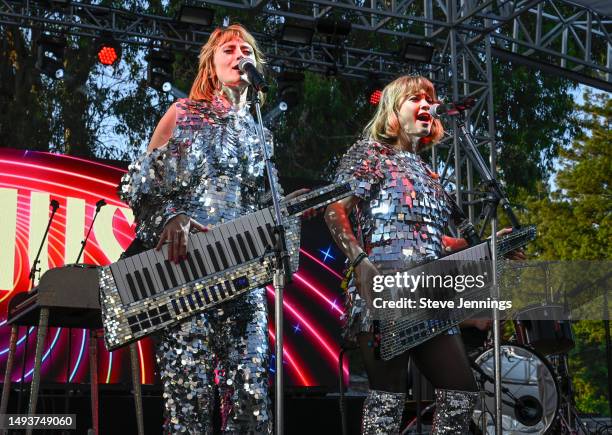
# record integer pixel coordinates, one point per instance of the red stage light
(107, 55)
(375, 97)
(108, 50)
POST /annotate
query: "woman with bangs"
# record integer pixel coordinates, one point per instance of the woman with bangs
(204, 166)
(394, 220)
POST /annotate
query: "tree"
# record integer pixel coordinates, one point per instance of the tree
(574, 223)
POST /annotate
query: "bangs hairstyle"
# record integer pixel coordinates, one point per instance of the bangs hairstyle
(206, 82)
(385, 127)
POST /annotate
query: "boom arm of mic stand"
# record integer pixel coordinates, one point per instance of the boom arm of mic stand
(84, 241)
(496, 189)
(34, 268)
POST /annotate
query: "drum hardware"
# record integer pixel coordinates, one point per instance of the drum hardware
(530, 402)
(544, 328)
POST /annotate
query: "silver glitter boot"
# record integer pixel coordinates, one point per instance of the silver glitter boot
(382, 413)
(453, 412)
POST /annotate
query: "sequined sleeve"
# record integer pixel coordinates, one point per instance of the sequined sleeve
(360, 166)
(157, 184)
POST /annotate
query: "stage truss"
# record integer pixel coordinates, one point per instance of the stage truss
(553, 35)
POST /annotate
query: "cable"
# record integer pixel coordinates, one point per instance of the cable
(341, 403)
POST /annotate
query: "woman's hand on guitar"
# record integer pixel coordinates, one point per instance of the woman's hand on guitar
(517, 254)
(176, 234)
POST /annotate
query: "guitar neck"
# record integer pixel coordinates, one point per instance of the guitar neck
(516, 239)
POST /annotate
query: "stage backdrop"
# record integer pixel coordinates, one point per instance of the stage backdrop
(29, 180)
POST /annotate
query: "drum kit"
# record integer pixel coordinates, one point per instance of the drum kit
(537, 395)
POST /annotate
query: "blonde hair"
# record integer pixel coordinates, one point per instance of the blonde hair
(384, 125)
(206, 82)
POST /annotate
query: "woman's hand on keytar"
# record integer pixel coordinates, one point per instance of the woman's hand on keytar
(176, 234)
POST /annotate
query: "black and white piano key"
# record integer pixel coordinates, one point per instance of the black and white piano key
(193, 268)
(249, 226)
(200, 259)
(232, 241)
(207, 242)
(241, 228)
(224, 232)
(125, 268)
(160, 280)
(220, 248)
(262, 231)
(170, 270)
(141, 266)
(199, 255)
(122, 286)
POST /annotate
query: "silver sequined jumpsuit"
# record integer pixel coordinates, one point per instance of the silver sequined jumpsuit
(212, 169)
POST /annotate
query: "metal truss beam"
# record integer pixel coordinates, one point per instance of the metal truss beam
(466, 34)
(148, 30)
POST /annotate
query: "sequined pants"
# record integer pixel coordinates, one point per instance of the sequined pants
(227, 347)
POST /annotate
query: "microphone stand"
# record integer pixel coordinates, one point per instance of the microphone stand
(99, 205)
(281, 275)
(32, 276)
(495, 197)
(54, 206)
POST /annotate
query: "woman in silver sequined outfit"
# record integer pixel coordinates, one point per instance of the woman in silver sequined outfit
(204, 166)
(399, 213)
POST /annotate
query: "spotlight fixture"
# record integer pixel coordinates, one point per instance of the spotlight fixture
(297, 33)
(196, 15)
(375, 88)
(333, 27)
(159, 68)
(108, 50)
(50, 56)
(416, 53)
(375, 97)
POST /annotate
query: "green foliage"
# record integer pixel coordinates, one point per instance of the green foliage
(574, 224)
(330, 117)
(581, 205)
(533, 120)
(588, 367)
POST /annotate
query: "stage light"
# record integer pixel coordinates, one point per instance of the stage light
(375, 87)
(159, 68)
(50, 56)
(416, 53)
(375, 96)
(333, 27)
(195, 15)
(108, 50)
(297, 33)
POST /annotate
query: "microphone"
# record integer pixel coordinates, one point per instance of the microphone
(54, 205)
(528, 410)
(254, 77)
(451, 109)
(100, 204)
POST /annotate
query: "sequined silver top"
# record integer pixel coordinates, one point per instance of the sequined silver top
(403, 211)
(211, 169)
